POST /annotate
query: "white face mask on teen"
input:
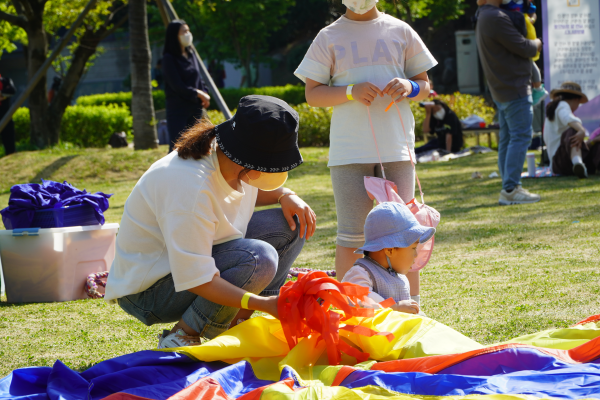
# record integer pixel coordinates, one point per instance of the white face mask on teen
(440, 114)
(186, 39)
(359, 6)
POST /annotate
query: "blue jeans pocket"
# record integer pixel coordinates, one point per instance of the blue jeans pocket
(146, 317)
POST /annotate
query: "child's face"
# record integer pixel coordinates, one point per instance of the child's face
(481, 2)
(402, 258)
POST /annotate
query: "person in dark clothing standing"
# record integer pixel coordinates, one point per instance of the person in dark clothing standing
(7, 89)
(185, 91)
(444, 122)
(506, 61)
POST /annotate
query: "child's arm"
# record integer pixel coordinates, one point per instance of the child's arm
(406, 306)
(400, 88)
(533, 17)
(320, 95)
(531, 9)
(359, 276)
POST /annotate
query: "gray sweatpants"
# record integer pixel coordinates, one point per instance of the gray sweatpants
(352, 202)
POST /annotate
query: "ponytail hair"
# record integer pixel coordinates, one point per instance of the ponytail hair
(197, 141)
(551, 107)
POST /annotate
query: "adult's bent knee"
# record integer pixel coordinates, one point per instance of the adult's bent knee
(266, 260)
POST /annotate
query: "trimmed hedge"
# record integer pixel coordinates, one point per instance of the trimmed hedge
(313, 129)
(119, 99)
(82, 126)
(292, 94)
(315, 122)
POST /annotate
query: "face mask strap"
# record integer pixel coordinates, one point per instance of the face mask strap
(391, 270)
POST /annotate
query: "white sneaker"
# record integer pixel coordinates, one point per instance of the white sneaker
(517, 196)
(179, 338)
(580, 170)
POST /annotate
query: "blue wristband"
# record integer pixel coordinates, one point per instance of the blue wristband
(416, 89)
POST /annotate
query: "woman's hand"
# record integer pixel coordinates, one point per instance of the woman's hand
(293, 205)
(398, 88)
(366, 92)
(577, 139)
(204, 98)
(406, 306)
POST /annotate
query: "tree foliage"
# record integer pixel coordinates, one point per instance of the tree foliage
(36, 24)
(10, 34)
(237, 30)
(437, 11)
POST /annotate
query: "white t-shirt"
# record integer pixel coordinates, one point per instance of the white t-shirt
(176, 212)
(350, 52)
(553, 130)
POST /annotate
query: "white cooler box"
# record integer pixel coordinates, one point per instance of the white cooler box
(53, 264)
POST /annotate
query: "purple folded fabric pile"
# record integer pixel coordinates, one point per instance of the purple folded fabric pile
(28, 198)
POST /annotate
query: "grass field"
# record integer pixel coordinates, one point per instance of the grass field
(496, 272)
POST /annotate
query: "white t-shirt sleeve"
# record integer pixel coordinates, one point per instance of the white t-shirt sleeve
(317, 64)
(565, 115)
(417, 55)
(189, 240)
(359, 276)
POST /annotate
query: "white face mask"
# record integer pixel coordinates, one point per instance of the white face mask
(186, 39)
(359, 6)
(440, 114)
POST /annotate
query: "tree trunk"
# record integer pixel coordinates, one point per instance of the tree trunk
(142, 106)
(37, 51)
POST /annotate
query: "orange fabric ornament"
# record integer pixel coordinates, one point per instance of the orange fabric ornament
(304, 310)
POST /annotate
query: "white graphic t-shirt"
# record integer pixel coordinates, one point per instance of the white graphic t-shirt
(351, 52)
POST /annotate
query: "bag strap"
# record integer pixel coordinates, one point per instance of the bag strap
(405, 139)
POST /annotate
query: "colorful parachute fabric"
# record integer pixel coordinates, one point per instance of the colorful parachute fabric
(426, 360)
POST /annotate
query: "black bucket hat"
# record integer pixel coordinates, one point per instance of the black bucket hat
(262, 135)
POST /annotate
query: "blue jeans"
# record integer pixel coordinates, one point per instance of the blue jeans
(259, 263)
(515, 118)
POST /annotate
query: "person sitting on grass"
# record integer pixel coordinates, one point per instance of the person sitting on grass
(442, 121)
(564, 135)
(392, 234)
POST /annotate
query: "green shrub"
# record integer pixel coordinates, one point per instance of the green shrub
(292, 94)
(119, 99)
(315, 122)
(21, 120)
(216, 117)
(314, 125)
(83, 126)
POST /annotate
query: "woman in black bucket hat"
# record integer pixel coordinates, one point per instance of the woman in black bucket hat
(191, 249)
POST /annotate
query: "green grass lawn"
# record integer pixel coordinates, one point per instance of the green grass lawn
(496, 272)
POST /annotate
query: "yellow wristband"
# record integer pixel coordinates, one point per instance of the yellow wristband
(245, 299)
(349, 92)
